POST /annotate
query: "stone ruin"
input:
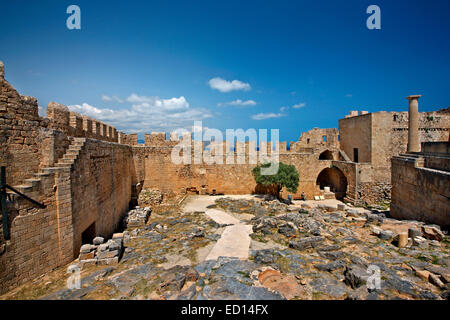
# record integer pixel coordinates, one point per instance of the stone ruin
(86, 173)
(137, 217)
(101, 252)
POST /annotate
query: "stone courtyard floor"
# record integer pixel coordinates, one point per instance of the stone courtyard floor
(250, 247)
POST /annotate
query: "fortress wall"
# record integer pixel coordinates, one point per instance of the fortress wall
(232, 176)
(29, 142)
(356, 132)
(20, 134)
(101, 182)
(96, 187)
(41, 239)
(380, 136)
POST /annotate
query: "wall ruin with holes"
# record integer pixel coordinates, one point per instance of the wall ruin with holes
(79, 188)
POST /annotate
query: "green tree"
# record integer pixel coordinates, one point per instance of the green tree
(287, 176)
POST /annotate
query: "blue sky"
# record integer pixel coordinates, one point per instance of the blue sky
(147, 66)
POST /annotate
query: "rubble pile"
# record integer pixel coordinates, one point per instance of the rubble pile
(137, 217)
(150, 197)
(100, 252)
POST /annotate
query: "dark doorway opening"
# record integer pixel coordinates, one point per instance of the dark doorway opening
(326, 155)
(335, 179)
(88, 235)
(355, 155)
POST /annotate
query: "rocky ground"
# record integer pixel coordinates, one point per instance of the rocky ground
(294, 253)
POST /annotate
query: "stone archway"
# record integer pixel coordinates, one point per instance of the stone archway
(326, 155)
(335, 179)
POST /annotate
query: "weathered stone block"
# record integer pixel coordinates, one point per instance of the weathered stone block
(108, 261)
(98, 240)
(107, 254)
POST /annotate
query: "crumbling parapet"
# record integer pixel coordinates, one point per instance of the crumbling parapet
(2, 70)
(87, 125)
(76, 122)
(59, 114)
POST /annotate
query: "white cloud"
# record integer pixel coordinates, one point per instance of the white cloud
(263, 116)
(283, 109)
(108, 98)
(348, 95)
(239, 102)
(299, 105)
(147, 114)
(227, 86)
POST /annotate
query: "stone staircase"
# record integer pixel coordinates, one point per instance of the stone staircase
(32, 186)
(71, 154)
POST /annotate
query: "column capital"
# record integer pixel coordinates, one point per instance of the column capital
(414, 96)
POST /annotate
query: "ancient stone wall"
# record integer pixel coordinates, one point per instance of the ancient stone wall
(41, 239)
(101, 182)
(73, 166)
(420, 193)
(380, 136)
(154, 164)
(30, 142)
(20, 141)
(356, 133)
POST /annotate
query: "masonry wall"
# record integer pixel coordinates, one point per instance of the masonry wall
(78, 188)
(356, 132)
(41, 239)
(157, 169)
(20, 137)
(380, 136)
(101, 182)
(420, 193)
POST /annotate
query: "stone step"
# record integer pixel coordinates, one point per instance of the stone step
(33, 182)
(40, 175)
(24, 188)
(70, 157)
(63, 165)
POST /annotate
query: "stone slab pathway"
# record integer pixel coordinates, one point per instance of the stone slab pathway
(235, 239)
(235, 242)
(221, 217)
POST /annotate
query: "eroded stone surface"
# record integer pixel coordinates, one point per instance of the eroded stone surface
(167, 258)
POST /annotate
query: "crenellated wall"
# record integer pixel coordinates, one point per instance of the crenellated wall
(70, 163)
(220, 168)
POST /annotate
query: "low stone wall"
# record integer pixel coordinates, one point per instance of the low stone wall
(420, 193)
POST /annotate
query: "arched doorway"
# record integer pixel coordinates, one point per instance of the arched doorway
(335, 179)
(326, 155)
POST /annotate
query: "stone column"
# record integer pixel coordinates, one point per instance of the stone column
(413, 126)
